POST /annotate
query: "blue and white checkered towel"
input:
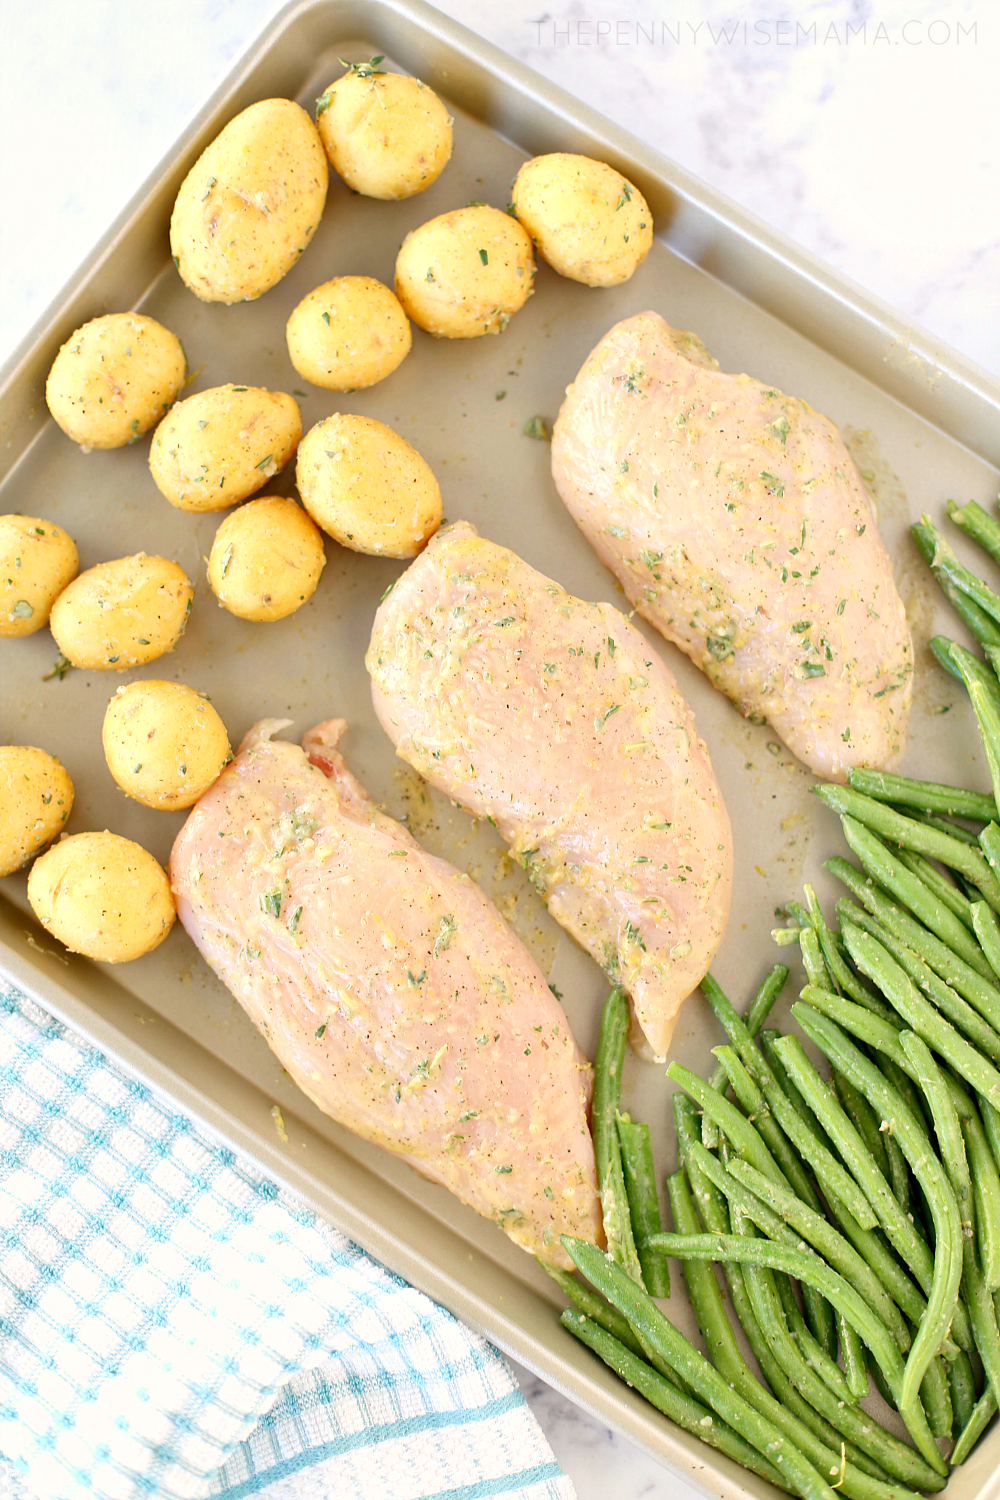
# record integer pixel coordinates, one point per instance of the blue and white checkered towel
(172, 1324)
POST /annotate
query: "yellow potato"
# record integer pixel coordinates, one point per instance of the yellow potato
(387, 135)
(348, 333)
(102, 896)
(266, 559)
(37, 561)
(122, 614)
(465, 273)
(164, 743)
(250, 204)
(36, 796)
(367, 487)
(222, 445)
(114, 379)
(588, 221)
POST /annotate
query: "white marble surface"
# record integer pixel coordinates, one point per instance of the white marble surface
(878, 149)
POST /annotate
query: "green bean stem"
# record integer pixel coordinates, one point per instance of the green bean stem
(654, 1330)
(607, 1150)
(688, 1413)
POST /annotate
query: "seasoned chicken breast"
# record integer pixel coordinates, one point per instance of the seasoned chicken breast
(389, 987)
(556, 720)
(738, 524)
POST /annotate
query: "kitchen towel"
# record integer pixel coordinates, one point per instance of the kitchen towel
(174, 1324)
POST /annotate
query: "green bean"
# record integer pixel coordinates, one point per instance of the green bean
(947, 569)
(984, 925)
(607, 1151)
(968, 667)
(728, 1118)
(977, 619)
(873, 959)
(938, 884)
(643, 1203)
(596, 1310)
(963, 1390)
(809, 1267)
(981, 1418)
(812, 957)
(855, 1105)
(806, 1143)
(853, 1354)
(961, 1166)
(883, 866)
(824, 1238)
(989, 842)
(986, 1195)
(655, 1331)
(702, 1287)
(766, 1040)
(993, 657)
(991, 1125)
(981, 995)
(795, 1386)
(988, 719)
(978, 524)
(688, 1413)
(757, 1013)
(935, 1398)
(942, 1295)
(944, 825)
(929, 796)
(913, 834)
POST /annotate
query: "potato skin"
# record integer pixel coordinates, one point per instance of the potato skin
(348, 333)
(102, 896)
(387, 135)
(37, 561)
(266, 559)
(123, 613)
(36, 796)
(366, 487)
(222, 445)
(465, 273)
(250, 204)
(164, 743)
(587, 220)
(114, 378)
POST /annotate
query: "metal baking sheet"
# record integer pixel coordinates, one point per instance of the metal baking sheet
(923, 423)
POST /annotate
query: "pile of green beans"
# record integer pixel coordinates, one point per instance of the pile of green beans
(872, 1197)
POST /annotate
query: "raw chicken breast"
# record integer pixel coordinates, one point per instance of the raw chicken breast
(738, 524)
(389, 987)
(556, 720)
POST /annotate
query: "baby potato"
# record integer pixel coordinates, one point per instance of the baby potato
(114, 378)
(367, 487)
(164, 743)
(387, 135)
(37, 561)
(348, 334)
(36, 796)
(465, 273)
(250, 204)
(266, 559)
(102, 896)
(122, 614)
(222, 445)
(588, 221)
